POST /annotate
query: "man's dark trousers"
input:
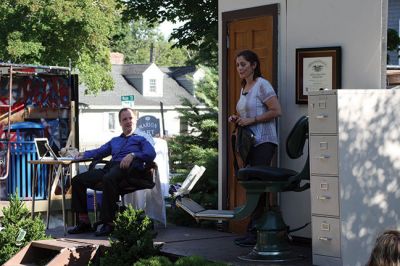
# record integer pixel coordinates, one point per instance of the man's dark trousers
(109, 178)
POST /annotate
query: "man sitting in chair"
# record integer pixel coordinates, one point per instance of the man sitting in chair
(130, 152)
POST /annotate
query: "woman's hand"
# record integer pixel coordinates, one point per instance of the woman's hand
(245, 121)
(233, 118)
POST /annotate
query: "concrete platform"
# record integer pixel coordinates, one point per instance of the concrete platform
(58, 233)
(187, 241)
(215, 246)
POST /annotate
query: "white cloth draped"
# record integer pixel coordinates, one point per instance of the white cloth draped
(152, 200)
(162, 161)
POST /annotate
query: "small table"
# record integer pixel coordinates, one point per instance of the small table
(60, 164)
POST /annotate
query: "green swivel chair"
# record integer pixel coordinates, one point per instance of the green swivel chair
(272, 232)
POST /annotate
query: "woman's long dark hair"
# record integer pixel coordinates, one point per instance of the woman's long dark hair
(251, 57)
(387, 250)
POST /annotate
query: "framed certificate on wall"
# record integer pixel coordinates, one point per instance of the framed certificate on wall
(317, 69)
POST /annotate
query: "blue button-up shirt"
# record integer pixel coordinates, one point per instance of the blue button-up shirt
(119, 147)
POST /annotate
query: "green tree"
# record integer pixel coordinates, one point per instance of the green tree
(53, 32)
(200, 142)
(207, 87)
(134, 39)
(18, 229)
(199, 145)
(393, 40)
(166, 54)
(199, 31)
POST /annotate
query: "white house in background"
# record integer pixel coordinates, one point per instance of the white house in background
(150, 86)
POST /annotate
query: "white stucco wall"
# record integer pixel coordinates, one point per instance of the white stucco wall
(358, 26)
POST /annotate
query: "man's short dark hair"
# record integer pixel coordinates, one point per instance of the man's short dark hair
(123, 110)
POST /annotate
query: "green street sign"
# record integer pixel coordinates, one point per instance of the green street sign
(127, 98)
(128, 101)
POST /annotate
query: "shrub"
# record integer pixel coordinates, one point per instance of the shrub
(196, 261)
(184, 261)
(16, 222)
(154, 261)
(133, 236)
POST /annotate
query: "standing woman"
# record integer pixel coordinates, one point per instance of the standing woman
(257, 108)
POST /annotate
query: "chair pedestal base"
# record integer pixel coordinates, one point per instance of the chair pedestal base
(272, 240)
(281, 256)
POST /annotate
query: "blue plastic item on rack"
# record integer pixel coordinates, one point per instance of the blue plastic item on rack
(22, 149)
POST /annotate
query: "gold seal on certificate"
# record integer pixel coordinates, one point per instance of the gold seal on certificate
(317, 74)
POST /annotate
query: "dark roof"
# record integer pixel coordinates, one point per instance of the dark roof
(180, 74)
(178, 71)
(172, 91)
(136, 81)
(130, 69)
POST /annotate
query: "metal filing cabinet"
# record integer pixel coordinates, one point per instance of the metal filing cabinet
(355, 168)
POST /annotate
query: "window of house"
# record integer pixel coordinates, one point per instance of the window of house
(111, 121)
(153, 85)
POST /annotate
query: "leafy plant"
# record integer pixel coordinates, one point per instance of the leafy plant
(133, 239)
(154, 261)
(196, 261)
(18, 229)
(199, 31)
(393, 40)
(184, 261)
(134, 40)
(54, 32)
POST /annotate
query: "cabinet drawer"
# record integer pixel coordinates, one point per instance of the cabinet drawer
(322, 112)
(325, 195)
(326, 261)
(324, 155)
(325, 236)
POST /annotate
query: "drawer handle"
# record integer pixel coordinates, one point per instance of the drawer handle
(324, 186)
(324, 238)
(321, 116)
(323, 197)
(322, 157)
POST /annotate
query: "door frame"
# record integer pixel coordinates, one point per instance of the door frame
(227, 17)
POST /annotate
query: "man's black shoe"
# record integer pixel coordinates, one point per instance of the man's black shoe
(105, 230)
(81, 228)
(96, 224)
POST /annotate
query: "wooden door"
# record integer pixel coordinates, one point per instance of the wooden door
(256, 34)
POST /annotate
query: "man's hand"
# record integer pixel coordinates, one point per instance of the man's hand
(78, 155)
(126, 162)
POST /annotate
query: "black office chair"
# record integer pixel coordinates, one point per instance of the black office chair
(128, 185)
(272, 232)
